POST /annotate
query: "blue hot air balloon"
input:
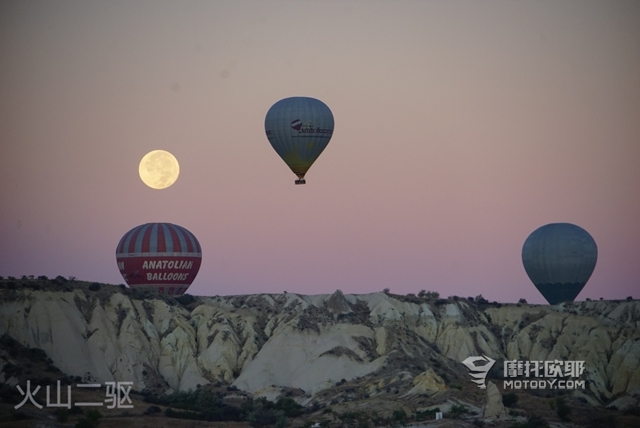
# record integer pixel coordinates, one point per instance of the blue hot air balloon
(299, 129)
(559, 259)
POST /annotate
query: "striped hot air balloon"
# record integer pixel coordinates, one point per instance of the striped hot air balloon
(163, 257)
(299, 129)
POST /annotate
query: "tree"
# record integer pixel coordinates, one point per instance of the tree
(90, 420)
(289, 407)
(510, 399)
(457, 411)
(480, 299)
(562, 409)
(400, 416)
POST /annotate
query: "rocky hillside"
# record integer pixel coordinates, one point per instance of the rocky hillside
(327, 349)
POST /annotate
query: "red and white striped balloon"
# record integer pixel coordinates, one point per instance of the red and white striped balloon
(163, 257)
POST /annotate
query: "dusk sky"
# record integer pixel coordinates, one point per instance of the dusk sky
(460, 127)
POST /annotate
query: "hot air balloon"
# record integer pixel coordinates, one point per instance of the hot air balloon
(299, 129)
(163, 257)
(559, 259)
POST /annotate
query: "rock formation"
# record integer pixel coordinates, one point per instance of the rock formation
(494, 409)
(268, 343)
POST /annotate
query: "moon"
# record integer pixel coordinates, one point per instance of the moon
(159, 169)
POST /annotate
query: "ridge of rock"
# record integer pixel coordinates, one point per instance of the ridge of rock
(270, 342)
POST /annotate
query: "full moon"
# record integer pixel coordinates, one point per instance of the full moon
(159, 169)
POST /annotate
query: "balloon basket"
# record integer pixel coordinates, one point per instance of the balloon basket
(301, 181)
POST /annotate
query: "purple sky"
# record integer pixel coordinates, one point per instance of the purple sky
(460, 127)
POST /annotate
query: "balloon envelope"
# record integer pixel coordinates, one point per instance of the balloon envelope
(299, 129)
(559, 259)
(163, 257)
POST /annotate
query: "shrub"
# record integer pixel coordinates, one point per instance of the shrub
(562, 409)
(261, 417)
(91, 419)
(8, 394)
(427, 414)
(532, 422)
(432, 295)
(94, 287)
(62, 415)
(400, 416)
(289, 407)
(522, 301)
(457, 411)
(634, 411)
(510, 399)
(481, 300)
(282, 422)
(75, 410)
(185, 299)
(608, 421)
(152, 410)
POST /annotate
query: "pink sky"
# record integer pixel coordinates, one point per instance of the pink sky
(460, 127)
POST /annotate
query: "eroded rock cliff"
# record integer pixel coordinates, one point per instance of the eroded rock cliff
(265, 344)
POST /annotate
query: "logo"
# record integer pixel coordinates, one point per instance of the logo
(554, 374)
(296, 124)
(479, 373)
(308, 128)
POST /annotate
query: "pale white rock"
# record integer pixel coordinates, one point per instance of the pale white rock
(338, 304)
(312, 342)
(307, 360)
(494, 409)
(623, 403)
(452, 311)
(624, 367)
(455, 342)
(381, 340)
(427, 382)
(579, 394)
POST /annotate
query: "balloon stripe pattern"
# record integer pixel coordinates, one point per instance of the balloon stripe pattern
(299, 129)
(162, 257)
(559, 258)
(158, 239)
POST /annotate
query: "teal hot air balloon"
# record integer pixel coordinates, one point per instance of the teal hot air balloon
(299, 129)
(559, 259)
